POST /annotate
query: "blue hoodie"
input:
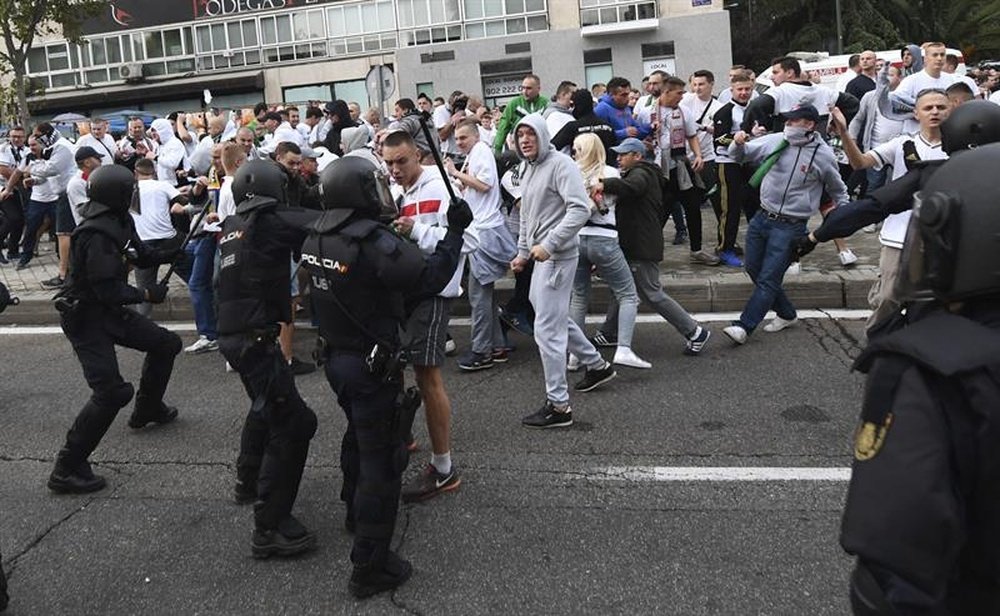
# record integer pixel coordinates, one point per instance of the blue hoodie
(619, 119)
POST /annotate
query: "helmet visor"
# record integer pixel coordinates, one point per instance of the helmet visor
(927, 265)
(388, 209)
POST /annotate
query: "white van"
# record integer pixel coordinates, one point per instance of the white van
(831, 68)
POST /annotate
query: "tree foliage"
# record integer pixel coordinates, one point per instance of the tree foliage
(26, 21)
(763, 29)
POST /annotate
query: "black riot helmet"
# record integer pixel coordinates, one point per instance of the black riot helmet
(110, 188)
(971, 125)
(954, 235)
(352, 187)
(259, 183)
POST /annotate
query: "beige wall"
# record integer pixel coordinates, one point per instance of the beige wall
(320, 72)
(564, 14)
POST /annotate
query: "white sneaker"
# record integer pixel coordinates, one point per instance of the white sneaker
(736, 333)
(794, 269)
(848, 258)
(778, 324)
(573, 364)
(202, 345)
(625, 356)
(872, 228)
(229, 367)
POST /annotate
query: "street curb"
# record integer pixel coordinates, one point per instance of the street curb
(722, 292)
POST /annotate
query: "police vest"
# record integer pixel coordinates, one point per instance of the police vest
(254, 283)
(119, 231)
(352, 271)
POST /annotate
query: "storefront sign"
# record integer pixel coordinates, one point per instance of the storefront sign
(667, 65)
(502, 87)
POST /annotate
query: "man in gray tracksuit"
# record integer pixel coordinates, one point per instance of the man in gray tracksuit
(554, 207)
(798, 164)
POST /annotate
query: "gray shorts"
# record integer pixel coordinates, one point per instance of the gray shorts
(426, 332)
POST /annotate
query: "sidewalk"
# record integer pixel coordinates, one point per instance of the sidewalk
(823, 283)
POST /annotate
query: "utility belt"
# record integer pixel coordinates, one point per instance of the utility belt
(263, 335)
(782, 218)
(381, 361)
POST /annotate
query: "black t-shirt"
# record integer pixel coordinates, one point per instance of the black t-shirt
(860, 85)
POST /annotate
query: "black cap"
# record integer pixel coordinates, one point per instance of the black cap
(85, 152)
(805, 112)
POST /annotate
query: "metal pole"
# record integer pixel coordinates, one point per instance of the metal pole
(381, 96)
(840, 30)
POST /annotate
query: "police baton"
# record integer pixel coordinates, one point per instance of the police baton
(437, 158)
(194, 227)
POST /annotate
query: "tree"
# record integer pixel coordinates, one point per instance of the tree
(26, 20)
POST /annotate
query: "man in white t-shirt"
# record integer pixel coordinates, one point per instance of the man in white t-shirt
(100, 140)
(559, 112)
(447, 117)
(489, 262)
(701, 106)
(931, 109)
(158, 199)
(87, 160)
(932, 77)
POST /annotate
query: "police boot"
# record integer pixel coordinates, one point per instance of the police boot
(291, 538)
(147, 412)
(372, 578)
(70, 478)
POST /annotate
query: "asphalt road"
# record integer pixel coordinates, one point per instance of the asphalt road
(543, 523)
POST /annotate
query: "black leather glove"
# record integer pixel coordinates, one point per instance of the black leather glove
(156, 293)
(803, 246)
(459, 215)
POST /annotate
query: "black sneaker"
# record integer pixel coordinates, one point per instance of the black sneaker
(593, 379)
(473, 361)
(291, 538)
(696, 344)
(368, 580)
(53, 283)
(549, 417)
(300, 367)
(140, 419)
(680, 238)
(429, 484)
(500, 356)
(22, 263)
(602, 340)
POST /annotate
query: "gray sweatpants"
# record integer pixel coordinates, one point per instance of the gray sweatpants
(555, 331)
(647, 283)
(486, 333)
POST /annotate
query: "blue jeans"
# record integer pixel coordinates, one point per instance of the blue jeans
(606, 254)
(35, 215)
(876, 179)
(767, 255)
(197, 269)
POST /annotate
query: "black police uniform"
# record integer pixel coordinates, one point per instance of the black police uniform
(94, 319)
(254, 299)
(359, 272)
(923, 507)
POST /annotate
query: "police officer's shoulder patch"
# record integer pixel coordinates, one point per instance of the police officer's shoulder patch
(869, 438)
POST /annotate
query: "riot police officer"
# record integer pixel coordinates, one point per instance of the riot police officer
(361, 273)
(254, 298)
(94, 319)
(923, 506)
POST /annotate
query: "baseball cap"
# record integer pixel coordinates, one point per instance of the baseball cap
(86, 152)
(630, 144)
(308, 152)
(805, 112)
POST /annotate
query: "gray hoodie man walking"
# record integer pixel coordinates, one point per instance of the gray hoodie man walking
(554, 207)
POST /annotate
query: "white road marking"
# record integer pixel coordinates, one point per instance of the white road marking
(703, 317)
(721, 473)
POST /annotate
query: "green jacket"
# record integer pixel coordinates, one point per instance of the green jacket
(516, 109)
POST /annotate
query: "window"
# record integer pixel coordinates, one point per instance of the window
(597, 12)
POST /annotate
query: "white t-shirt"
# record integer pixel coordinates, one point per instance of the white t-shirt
(154, 200)
(891, 153)
(10, 158)
(106, 147)
(442, 117)
(76, 193)
(915, 83)
(555, 122)
(481, 164)
(227, 203)
(608, 220)
(44, 189)
(676, 127)
(696, 108)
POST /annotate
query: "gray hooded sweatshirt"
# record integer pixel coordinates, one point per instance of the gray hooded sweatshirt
(554, 202)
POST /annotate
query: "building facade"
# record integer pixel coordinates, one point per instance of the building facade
(160, 57)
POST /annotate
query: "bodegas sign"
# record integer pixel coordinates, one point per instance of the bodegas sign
(133, 14)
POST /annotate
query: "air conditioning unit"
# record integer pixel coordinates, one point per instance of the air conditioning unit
(131, 72)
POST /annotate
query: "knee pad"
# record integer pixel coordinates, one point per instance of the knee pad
(114, 397)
